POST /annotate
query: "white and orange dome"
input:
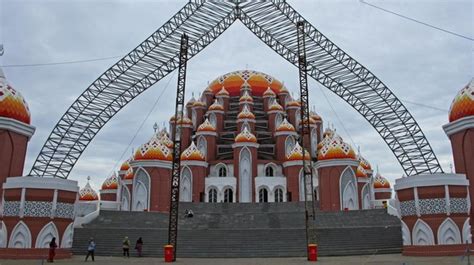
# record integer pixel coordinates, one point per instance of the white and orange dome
(12, 103)
(361, 172)
(216, 106)
(110, 183)
(125, 165)
(181, 120)
(315, 117)
(129, 174)
(336, 148)
(381, 182)
(88, 193)
(191, 102)
(246, 114)
(245, 97)
(293, 103)
(245, 137)
(222, 93)
(269, 93)
(297, 153)
(206, 126)
(463, 104)
(199, 103)
(153, 150)
(285, 126)
(259, 82)
(310, 120)
(364, 163)
(192, 153)
(275, 106)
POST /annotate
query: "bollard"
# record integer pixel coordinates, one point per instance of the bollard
(313, 252)
(169, 253)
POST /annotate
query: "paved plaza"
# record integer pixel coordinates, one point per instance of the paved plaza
(390, 259)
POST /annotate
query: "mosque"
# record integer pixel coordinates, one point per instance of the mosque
(240, 144)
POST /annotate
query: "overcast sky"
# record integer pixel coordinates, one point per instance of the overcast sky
(417, 63)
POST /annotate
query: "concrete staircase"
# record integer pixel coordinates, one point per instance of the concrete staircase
(244, 230)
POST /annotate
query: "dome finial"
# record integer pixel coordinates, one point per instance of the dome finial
(155, 127)
(88, 179)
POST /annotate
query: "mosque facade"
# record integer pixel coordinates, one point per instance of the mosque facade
(240, 144)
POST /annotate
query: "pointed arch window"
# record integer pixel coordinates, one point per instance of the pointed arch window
(278, 195)
(212, 195)
(263, 195)
(228, 195)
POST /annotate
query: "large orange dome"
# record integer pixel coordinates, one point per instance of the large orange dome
(154, 150)
(463, 103)
(336, 148)
(259, 82)
(12, 103)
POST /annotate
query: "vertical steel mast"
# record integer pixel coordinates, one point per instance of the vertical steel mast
(176, 167)
(305, 130)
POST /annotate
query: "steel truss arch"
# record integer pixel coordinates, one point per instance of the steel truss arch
(274, 22)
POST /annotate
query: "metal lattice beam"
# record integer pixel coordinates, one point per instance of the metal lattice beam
(305, 132)
(176, 167)
(274, 22)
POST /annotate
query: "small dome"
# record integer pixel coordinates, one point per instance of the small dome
(129, 174)
(361, 173)
(311, 122)
(12, 103)
(269, 93)
(181, 120)
(110, 183)
(87, 193)
(297, 153)
(381, 182)
(293, 103)
(153, 150)
(222, 93)
(192, 153)
(336, 148)
(463, 104)
(246, 114)
(125, 165)
(199, 103)
(216, 106)
(246, 97)
(275, 107)
(313, 115)
(245, 137)
(285, 126)
(364, 163)
(208, 90)
(283, 90)
(206, 126)
(191, 102)
(259, 82)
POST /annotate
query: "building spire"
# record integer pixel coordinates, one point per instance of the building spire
(155, 127)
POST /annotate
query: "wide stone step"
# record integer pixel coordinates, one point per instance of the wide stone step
(245, 230)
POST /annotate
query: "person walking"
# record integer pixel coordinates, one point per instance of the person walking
(52, 250)
(139, 246)
(126, 247)
(90, 249)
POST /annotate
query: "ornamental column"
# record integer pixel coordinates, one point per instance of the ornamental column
(245, 165)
